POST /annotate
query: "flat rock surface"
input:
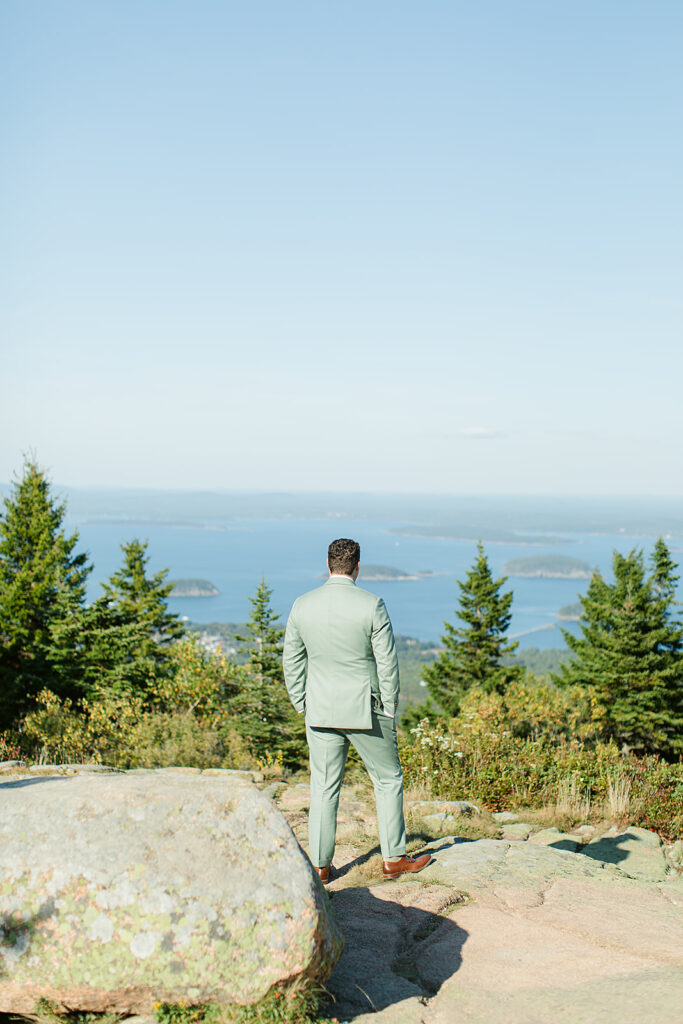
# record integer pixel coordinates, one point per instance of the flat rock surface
(558, 840)
(545, 933)
(517, 830)
(636, 851)
(117, 891)
(509, 932)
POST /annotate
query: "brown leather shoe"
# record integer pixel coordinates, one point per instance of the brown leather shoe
(395, 868)
(324, 874)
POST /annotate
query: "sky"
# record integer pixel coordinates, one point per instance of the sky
(379, 246)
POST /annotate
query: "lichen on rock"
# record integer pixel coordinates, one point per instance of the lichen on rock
(121, 891)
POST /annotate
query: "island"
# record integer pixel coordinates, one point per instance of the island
(387, 573)
(549, 567)
(193, 588)
(570, 612)
(486, 535)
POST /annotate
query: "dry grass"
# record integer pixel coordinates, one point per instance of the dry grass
(618, 802)
(369, 872)
(572, 802)
(417, 791)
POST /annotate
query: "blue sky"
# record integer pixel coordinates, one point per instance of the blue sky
(376, 246)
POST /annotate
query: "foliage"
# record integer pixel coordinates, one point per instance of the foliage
(290, 1004)
(61, 731)
(47, 1012)
(9, 749)
(42, 583)
(541, 661)
(198, 682)
(140, 599)
(413, 655)
(472, 657)
(629, 655)
(265, 716)
(124, 733)
(535, 748)
(98, 650)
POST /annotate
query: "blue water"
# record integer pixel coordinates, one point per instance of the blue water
(290, 554)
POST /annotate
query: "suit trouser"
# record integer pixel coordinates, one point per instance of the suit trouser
(378, 749)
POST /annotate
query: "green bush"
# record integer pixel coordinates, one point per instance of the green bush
(515, 751)
(126, 734)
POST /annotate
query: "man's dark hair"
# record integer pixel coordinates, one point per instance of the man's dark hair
(343, 555)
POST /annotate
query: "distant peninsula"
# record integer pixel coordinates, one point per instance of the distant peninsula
(485, 535)
(193, 588)
(389, 574)
(549, 567)
(386, 573)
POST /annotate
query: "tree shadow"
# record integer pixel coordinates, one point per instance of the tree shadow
(16, 933)
(566, 845)
(391, 952)
(19, 783)
(608, 848)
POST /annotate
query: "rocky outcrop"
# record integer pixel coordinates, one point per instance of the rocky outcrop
(510, 931)
(543, 927)
(636, 851)
(117, 891)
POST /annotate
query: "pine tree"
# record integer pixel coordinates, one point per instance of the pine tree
(134, 611)
(664, 578)
(629, 654)
(473, 653)
(42, 582)
(144, 597)
(102, 651)
(266, 717)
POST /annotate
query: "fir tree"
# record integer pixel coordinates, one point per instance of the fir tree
(664, 578)
(134, 611)
(472, 654)
(142, 596)
(266, 717)
(629, 654)
(42, 583)
(102, 651)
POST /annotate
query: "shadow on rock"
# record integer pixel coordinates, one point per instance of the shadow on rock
(392, 951)
(611, 849)
(568, 845)
(16, 933)
(22, 783)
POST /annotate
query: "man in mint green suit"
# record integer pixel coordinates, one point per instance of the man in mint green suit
(341, 671)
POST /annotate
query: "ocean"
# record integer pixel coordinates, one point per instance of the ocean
(290, 555)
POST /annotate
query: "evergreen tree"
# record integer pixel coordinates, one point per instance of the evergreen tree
(102, 650)
(134, 613)
(629, 654)
(266, 717)
(473, 653)
(42, 582)
(664, 578)
(144, 597)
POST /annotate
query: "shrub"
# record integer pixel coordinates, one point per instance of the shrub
(513, 751)
(126, 734)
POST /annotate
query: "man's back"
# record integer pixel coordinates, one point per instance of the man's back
(339, 652)
(341, 668)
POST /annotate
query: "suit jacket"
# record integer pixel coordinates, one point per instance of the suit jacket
(339, 656)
